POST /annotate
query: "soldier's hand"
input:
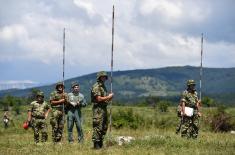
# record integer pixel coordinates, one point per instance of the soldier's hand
(199, 102)
(110, 95)
(46, 116)
(199, 114)
(62, 100)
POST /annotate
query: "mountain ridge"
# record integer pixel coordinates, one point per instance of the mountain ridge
(163, 82)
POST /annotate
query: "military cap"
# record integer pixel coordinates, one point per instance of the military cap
(191, 82)
(40, 93)
(73, 84)
(102, 73)
(59, 84)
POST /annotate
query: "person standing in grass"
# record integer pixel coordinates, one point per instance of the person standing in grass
(76, 101)
(6, 119)
(37, 115)
(100, 100)
(190, 111)
(58, 98)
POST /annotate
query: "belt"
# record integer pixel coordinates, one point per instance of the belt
(58, 108)
(39, 117)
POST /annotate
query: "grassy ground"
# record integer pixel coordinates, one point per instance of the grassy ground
(148, 139)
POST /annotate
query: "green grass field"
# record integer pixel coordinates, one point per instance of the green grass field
(148, 139)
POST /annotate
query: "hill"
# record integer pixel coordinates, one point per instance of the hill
(168, 82)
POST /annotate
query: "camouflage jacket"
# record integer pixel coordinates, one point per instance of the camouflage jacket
(98, 89)
(55, 96)
(76, 98)
(190, 99)
(38, 110)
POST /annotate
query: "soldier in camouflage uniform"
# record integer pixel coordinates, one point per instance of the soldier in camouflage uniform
(58, 98)
(100, 100)
(37, 115)
(190, 125)
(76, 101)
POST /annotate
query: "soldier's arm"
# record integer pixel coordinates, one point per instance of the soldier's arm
(29, 116)
(30, 110)
(199, 107)
(59, 102)
(47, 112)
(183, 108)
(183, 101)
(105, 98)
(55, 101)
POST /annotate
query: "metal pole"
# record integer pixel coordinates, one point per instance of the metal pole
(111, 77)
(63, 68)
(201, 68)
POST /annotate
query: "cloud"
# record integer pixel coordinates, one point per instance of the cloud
(148, 34)
(85, 5)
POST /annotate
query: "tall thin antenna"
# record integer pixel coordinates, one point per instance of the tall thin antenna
(63, 70)
(111, 78)
(201, 68)
(63, 52)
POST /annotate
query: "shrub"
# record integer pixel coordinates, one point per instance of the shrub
(221, 121)
(209, 102)
(163, 106)
(126, 118)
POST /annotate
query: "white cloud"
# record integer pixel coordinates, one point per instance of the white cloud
(12, 33)
(148, 34)
(170, 9)
(88, 6)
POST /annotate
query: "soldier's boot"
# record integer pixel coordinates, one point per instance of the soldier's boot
(44, 137)
(96, 145)
(177, 130)
(101, 144)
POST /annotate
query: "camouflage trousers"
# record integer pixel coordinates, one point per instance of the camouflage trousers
(57, 124)
(74, 116)
(190, 127)
(180, 122)
(100, 123)
(37, 125)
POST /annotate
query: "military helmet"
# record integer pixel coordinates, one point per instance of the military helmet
(40, 93)
(59, 84)
(73, 84)
(102, 73)
(191, 82)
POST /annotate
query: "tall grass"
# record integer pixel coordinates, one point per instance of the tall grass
(154, 136)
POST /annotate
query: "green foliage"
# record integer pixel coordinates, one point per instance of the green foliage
(220, 120)
(152, 100)
(155, 135)
(126, 118)
(163, 106)
(209, 102)
(12, 101)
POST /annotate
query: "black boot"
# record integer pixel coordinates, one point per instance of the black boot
(96, 145)
(101, 144)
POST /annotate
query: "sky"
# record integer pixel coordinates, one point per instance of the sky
(147, 34)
